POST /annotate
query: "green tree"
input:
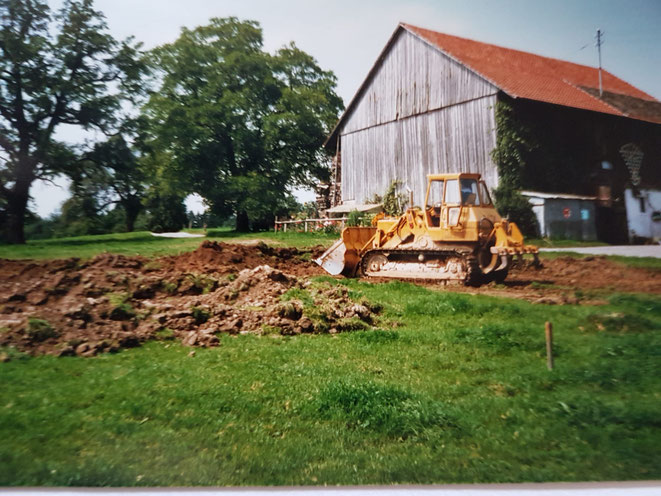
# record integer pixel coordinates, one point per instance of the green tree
(120, 180)
(237, 125)
(514, 143)
(54, 69)
(167, 212)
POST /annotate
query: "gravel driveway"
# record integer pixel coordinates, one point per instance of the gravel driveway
(624, 250)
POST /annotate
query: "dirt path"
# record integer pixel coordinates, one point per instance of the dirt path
(74, 307)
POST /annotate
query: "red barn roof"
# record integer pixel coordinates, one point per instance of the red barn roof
(533, 77)
(526, 75)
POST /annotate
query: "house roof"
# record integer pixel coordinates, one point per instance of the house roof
(529, 76)
(526, 75)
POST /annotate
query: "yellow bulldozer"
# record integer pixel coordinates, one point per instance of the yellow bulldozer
(457, 236)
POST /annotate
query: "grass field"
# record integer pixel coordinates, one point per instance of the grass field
(453, 388)
(143, 243)
(449, 388)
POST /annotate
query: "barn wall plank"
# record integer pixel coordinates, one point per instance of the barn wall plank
(452, 139)
(414, 78)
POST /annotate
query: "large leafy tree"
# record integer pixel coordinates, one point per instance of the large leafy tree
(54, 69)
(237, 125)
(113, 169)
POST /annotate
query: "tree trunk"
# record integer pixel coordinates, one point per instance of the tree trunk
(242, 222)
(17, 204)
(132, 208)
(130, 220)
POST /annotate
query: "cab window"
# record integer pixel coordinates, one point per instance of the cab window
(469, 195)
(484, 194)
(435, 193)
(452, 192)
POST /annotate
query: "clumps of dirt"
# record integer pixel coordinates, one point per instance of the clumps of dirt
(74, 307)
(260, 301)
(224, 258)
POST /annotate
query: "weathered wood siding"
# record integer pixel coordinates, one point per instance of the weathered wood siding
(453, 139)
(421, 113)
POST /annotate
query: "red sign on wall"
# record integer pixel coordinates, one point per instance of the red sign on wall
(566, 213)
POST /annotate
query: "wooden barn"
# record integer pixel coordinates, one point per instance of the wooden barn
(430, 104)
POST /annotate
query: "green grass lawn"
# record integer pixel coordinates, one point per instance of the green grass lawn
(143, 243)
(453, 388)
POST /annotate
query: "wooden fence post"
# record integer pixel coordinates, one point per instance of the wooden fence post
(549, 345)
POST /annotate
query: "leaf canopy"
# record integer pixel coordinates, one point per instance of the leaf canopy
(235, 124)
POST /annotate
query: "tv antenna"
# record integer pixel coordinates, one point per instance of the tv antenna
(600, 34)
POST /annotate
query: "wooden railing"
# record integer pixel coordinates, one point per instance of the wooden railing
(309, 225)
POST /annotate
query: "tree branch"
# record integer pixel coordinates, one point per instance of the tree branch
(7, 145)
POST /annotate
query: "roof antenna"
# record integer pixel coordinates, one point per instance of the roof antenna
(599, 43)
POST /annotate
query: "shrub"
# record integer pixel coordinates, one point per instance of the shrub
(393, 203)
(356, 218)
(514, 206)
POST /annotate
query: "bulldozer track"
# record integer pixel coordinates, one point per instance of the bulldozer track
(474, 276)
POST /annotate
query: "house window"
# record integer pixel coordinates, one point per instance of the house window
(641, 199)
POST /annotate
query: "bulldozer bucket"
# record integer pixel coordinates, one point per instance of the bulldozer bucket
(344, 255)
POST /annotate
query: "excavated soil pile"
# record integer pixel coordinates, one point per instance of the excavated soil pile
(73, 307)
(222, 258)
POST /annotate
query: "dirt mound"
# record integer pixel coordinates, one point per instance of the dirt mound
(69, 307)
(223, 258)
(74, 307)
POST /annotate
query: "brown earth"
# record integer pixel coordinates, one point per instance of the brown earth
(74, 307)
(569, 280)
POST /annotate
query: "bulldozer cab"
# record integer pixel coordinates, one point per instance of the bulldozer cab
(449, 194)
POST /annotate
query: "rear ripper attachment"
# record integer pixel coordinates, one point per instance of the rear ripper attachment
(458, 236)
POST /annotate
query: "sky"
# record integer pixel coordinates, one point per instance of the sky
(346, 36)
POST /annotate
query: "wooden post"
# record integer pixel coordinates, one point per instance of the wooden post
(549, 345)
(276, 224)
